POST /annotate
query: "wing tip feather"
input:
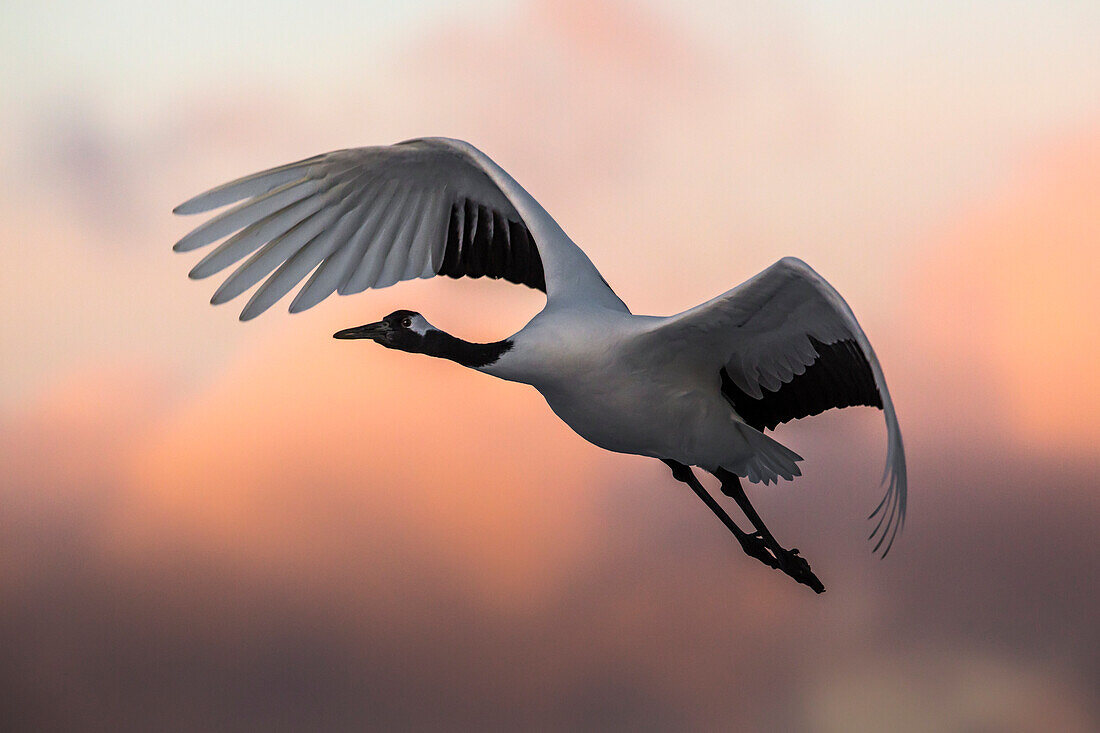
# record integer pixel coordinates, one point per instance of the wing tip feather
(891, 510)
(200, 203)
(220, 296)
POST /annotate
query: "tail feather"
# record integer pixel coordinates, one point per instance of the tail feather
(766, 459)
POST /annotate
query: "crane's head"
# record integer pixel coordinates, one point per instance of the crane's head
(404, 330)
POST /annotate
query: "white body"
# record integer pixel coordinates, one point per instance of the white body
(589, 366)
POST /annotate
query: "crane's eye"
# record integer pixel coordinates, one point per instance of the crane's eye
(406, 322)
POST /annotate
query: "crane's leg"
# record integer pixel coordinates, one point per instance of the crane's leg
(790, 561)
(754, 545)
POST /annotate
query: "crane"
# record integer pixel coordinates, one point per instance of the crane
(695, 390)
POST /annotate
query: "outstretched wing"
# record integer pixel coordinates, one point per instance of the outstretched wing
(370, 217)
(788, 346)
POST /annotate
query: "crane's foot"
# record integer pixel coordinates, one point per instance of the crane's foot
(756, 545)
(795, 565)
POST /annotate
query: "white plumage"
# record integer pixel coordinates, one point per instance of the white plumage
(694, 389)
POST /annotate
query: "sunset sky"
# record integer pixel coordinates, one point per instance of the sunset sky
(215, 525)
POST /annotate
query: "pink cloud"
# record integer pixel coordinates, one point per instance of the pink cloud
(308, 452)
(1002, 302)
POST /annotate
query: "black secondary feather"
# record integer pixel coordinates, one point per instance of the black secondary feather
(840, 377)
(483, 243)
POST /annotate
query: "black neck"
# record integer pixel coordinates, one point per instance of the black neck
(475, 356)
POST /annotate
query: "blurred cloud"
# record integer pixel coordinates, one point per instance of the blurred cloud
(209, 525)
(1008, 300)
(948, 690)
(298, 456)
(222, 583)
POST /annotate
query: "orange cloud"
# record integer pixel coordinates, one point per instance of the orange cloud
(310, 452)
(74, 436)
(1008, 308)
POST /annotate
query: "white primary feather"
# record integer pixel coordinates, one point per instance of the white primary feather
(386, 207)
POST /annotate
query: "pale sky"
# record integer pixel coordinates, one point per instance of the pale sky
(118, 46)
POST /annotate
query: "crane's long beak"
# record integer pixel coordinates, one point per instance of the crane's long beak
(369, 331)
